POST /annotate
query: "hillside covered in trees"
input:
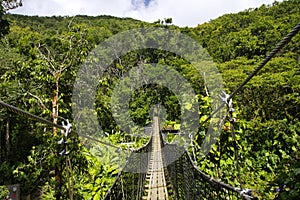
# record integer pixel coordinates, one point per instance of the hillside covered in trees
(39, 59)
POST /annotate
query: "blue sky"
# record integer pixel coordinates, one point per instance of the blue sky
(147, 2)
(184, 13)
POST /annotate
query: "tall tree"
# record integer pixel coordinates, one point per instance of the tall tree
(58, 55)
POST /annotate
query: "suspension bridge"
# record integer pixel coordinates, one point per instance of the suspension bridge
(179, 180)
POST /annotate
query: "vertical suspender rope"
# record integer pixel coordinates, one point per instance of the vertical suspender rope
(236, 155)
(230, 108)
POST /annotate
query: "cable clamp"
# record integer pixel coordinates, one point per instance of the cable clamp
(248, 193)
(225, 98)
(64, 153)
(67, 128)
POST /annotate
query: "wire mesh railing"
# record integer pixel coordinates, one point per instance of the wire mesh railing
(130, 181)
(188, 182)
(185, 180)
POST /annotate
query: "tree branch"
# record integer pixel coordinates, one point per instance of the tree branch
(48, 58)
(39, 100)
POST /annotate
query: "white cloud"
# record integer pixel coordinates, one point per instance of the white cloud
(35, 7)
(193, 12)
(184, 13)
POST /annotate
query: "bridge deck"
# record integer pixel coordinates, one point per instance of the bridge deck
(156, 187)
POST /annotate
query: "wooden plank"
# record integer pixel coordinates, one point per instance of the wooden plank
(156, 187)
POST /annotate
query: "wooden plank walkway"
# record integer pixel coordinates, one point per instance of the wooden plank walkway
(156, 187)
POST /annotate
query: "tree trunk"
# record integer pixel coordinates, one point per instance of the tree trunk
(1, 147)
(55, 104)
(58, 169)
(58, 183)
(7, 142)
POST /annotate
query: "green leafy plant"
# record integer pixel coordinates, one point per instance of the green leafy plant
(3, 192)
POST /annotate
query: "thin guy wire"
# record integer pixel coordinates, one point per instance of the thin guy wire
(42, 120)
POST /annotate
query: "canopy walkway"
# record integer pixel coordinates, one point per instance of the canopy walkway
(178, 180)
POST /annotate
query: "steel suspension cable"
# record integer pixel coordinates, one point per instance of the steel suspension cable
(277, 48)
(45, 121)
(27, 114)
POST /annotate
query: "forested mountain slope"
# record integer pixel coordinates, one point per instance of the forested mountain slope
(268, 106)
(251, 33)
(39, 59)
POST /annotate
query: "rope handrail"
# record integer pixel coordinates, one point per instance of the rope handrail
(224, 185)
(30, 115)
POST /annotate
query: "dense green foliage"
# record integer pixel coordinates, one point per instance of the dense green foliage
(3, 192)
(249, 34)
(39, 58)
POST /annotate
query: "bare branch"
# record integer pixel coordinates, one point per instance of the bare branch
(11, 4)
(67, 56)
(205, 84)
(71, 21)
(39, 100)
(34, 96)
(48, 58)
